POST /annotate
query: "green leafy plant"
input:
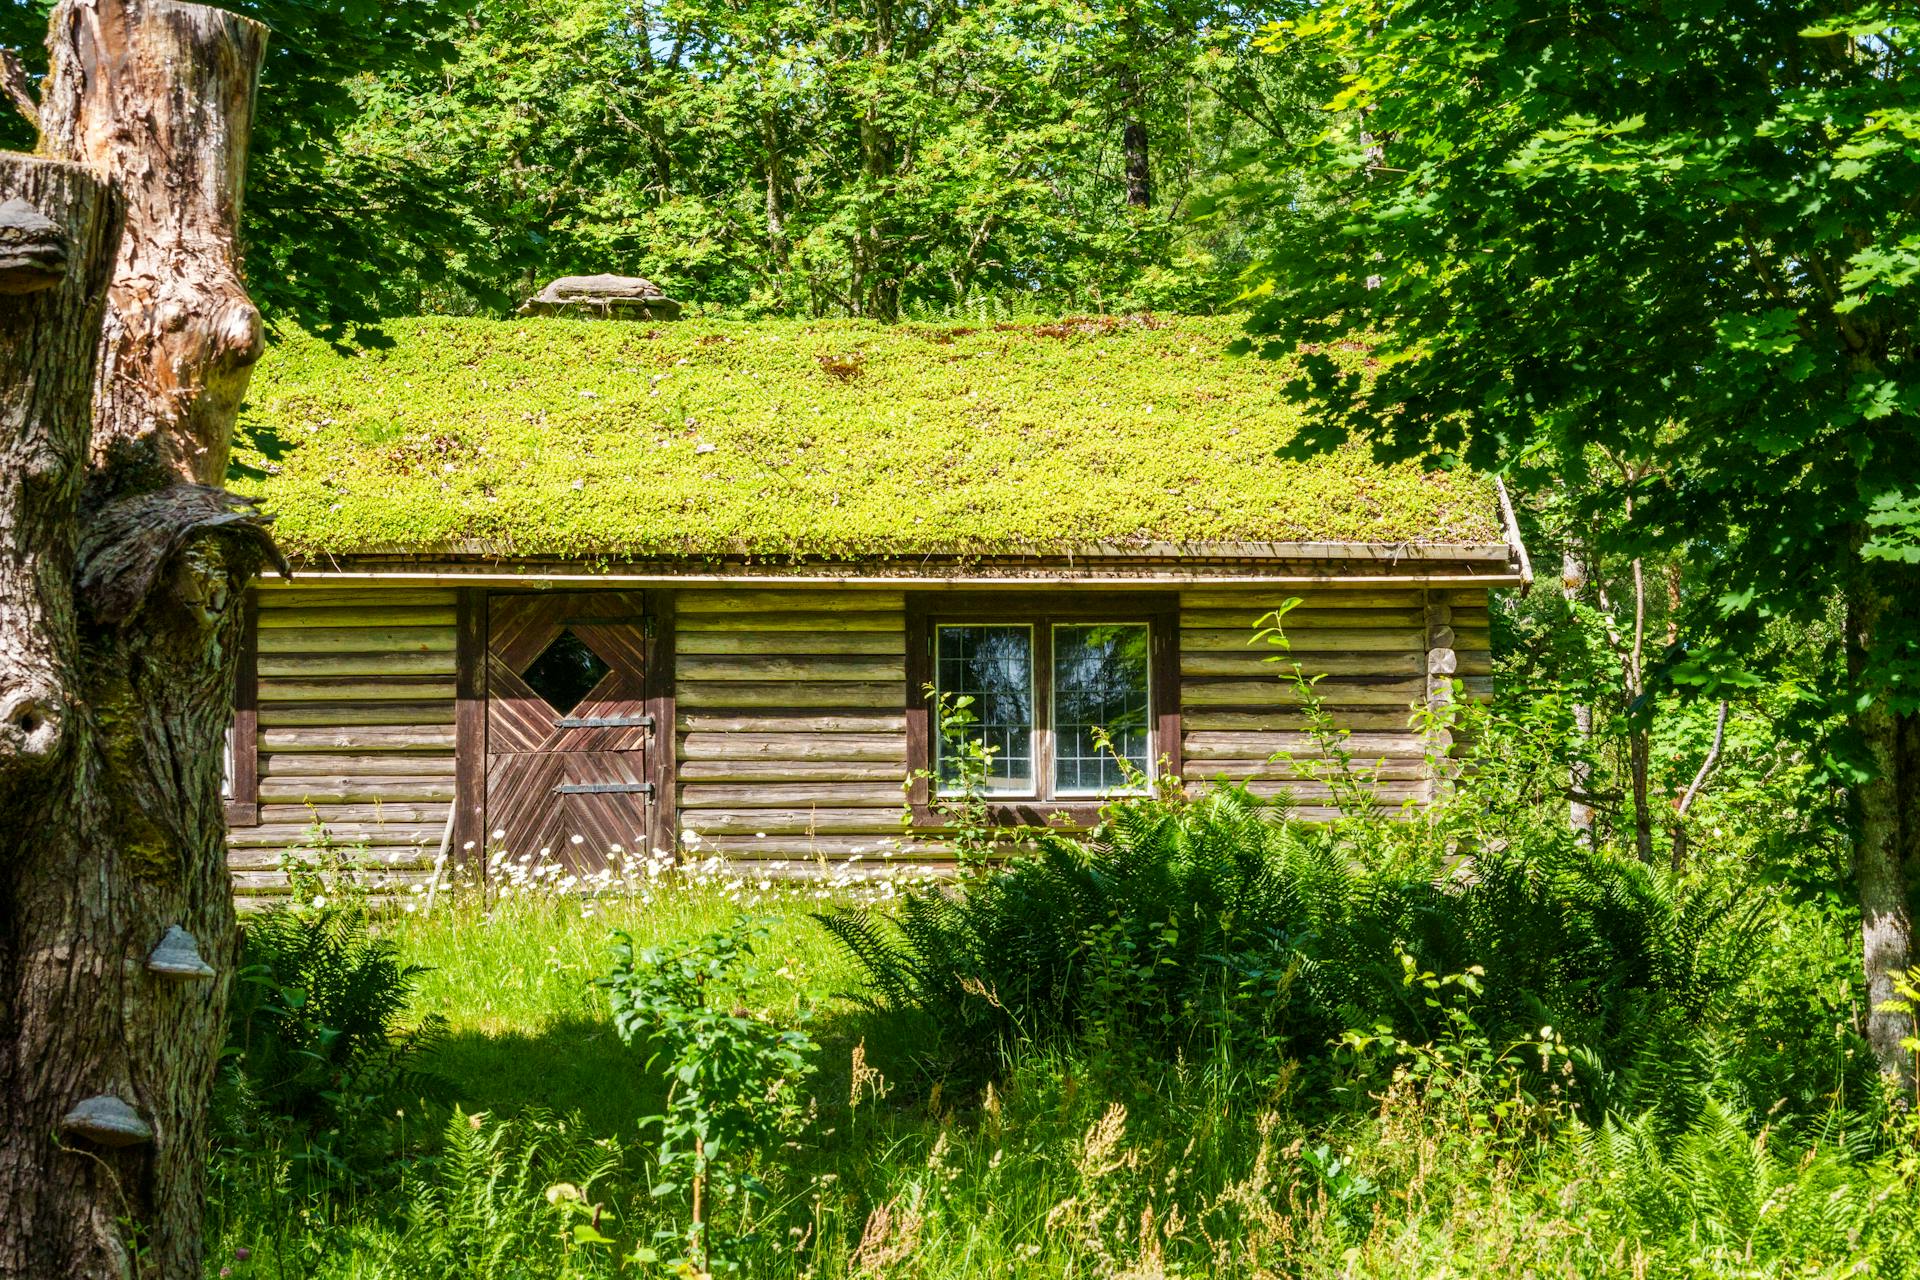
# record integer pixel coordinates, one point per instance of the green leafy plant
(320, 1039)
(1179, 926)
(957, 784)
(733, 1077)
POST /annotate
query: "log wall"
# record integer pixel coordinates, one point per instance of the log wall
(356, 711)
(790, 712)
(791, 709)
(1378, 652)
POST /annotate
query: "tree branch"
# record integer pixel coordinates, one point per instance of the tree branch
(1706, 766)
(13, 83)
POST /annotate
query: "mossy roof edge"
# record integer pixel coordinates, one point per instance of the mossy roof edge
(834, 440)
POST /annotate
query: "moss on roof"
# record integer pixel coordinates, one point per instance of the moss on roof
(787, 438)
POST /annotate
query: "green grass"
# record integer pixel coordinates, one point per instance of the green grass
(806, 439)
(526, 1027)
(1071, 1164)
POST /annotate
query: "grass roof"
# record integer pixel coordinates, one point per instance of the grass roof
(557, 437)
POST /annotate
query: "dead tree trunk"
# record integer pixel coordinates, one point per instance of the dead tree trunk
(119, 626)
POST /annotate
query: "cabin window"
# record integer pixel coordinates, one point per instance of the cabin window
(1102, 690)
(986, 672)
(1076, 696)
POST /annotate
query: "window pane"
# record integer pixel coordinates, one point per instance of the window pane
(993, 666)
(1099, 682)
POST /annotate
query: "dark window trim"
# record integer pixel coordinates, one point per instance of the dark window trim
(243, 787)
(1160, 610)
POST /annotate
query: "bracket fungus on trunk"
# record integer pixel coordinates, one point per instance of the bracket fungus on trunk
(177, 958)
(107, 1121)
(33, 249)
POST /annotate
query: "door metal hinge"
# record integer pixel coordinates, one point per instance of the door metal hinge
(604, 789)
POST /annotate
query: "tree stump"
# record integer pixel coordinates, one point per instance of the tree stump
(119, 625)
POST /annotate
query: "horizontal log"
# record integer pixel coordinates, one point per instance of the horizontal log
(391, 662)
(400, 764)
(1381, 639)
(273, 595)
(1270, 598)
(350, 713)
(404, 858)
(718, 822)
(350, 790)
(371, 615)
(354, 689)
(812, 621)
(378, 815)
(1304, 767)
(1194, 719)
(1218, 745)
(1471, 638)
(359, 738)
(710, 694)
(743, 771)
(870, 849)
(1471, 597)
(894, 722)
(1254, 665)
(786, 600)
(1384, 794)
(1240, 629)
(888, 748)
(801, 796)
(343, 835)
(733, 667)
(1256, 693)
(1475, 664)
(873, 643)
(358, 640)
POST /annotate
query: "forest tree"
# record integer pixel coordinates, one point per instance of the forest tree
(126, 339)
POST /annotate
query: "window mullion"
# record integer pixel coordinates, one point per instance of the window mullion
(1043, 708)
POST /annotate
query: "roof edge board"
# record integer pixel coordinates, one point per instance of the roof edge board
(442, 577)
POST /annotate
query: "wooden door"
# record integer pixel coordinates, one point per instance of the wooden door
(568, 737)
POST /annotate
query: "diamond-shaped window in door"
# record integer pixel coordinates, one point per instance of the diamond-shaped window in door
(565, 672)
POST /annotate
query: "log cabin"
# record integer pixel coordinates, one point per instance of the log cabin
(584, 586)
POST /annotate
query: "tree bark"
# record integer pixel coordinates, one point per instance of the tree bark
(1879, 842)
(160, 95)
(119, 621)
(1133, 140)
(1573, 581)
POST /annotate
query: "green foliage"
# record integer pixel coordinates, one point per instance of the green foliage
(319, 1038)
(877, 159)
(553, 437)
(734, 1077)
(1664, 262)
(337, 232)
(1052, 1171)
(510, 1198)
(1178, 925)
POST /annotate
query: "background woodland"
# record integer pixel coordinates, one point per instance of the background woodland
(877, 159)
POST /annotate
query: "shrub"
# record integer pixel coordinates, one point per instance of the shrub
(319, 1037)
(733, 1077)
(1182, 925)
